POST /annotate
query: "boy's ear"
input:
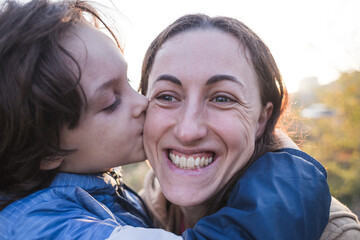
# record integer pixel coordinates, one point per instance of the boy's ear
(50, 164)
(264, 117)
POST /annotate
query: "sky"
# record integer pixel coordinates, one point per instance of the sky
(308, 38)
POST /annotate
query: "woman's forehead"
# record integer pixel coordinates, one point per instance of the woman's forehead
(202, 54)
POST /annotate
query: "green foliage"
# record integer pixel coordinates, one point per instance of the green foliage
(335, 140)
(134, 175)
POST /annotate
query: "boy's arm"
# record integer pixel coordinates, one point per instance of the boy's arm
(282, 200)
(288, 201)
(138, 233)
(44, 222)
(55, 222)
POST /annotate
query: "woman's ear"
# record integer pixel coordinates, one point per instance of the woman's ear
(50, 164)
(263, 118)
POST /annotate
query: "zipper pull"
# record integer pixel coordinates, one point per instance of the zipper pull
(116, 174)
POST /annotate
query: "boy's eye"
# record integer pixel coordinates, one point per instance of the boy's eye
(113, 106)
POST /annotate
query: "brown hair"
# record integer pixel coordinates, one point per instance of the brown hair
(272, 89)
(39, 93)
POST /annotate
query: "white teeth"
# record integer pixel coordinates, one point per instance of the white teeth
(177, 160)
(190, 162)
(206, 162)
(197, 162)
(183, 162)
(202, 162)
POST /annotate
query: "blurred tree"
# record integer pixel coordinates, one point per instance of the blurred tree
(134, 174)
(335, 140)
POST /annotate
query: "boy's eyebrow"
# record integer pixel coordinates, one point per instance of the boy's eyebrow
(168, 77)
(100, 91)
(105, 85)
(221, 77)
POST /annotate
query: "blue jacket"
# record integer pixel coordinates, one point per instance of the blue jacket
(283, 195)
(73, 207)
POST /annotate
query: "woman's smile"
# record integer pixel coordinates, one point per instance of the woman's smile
(191, 161)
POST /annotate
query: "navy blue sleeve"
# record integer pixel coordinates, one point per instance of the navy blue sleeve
(283, 195)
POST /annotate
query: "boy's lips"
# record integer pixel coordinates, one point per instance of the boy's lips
(195, 160)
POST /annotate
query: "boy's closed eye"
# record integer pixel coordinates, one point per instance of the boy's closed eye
(113, 106)
(106, 97)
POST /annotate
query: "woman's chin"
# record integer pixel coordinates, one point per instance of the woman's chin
(185, 197)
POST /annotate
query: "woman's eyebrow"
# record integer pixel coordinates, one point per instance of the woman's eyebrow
(221, 77)
(168, 77)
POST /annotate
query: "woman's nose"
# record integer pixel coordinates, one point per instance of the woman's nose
(190, 126)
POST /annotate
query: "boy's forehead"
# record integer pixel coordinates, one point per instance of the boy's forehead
(84, 39)
(98, 56)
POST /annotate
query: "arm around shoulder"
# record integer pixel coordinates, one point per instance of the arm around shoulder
(139, 233)
(281, 196)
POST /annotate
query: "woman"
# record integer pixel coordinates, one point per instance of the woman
(216, 95)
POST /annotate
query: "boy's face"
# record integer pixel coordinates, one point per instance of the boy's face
(109, 133)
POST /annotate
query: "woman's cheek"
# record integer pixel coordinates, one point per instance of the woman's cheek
(237, 133)
(156, 124)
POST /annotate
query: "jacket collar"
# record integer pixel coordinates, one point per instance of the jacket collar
(88, 182)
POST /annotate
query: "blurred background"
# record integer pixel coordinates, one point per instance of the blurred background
(308, 38)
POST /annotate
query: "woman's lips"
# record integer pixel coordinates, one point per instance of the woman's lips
(191, 161)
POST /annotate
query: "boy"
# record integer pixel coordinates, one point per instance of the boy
(68, 117)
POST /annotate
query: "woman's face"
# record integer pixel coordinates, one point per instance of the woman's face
(204, 114)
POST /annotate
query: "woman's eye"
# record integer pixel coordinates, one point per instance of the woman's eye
(113, 106)
(166, 98)
(222, 99)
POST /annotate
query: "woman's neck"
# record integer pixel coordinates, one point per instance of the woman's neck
(192, 214)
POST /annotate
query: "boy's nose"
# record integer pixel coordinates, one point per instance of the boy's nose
(140, 104)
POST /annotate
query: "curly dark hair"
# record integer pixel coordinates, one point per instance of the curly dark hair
(39, 93)
(272, 88)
